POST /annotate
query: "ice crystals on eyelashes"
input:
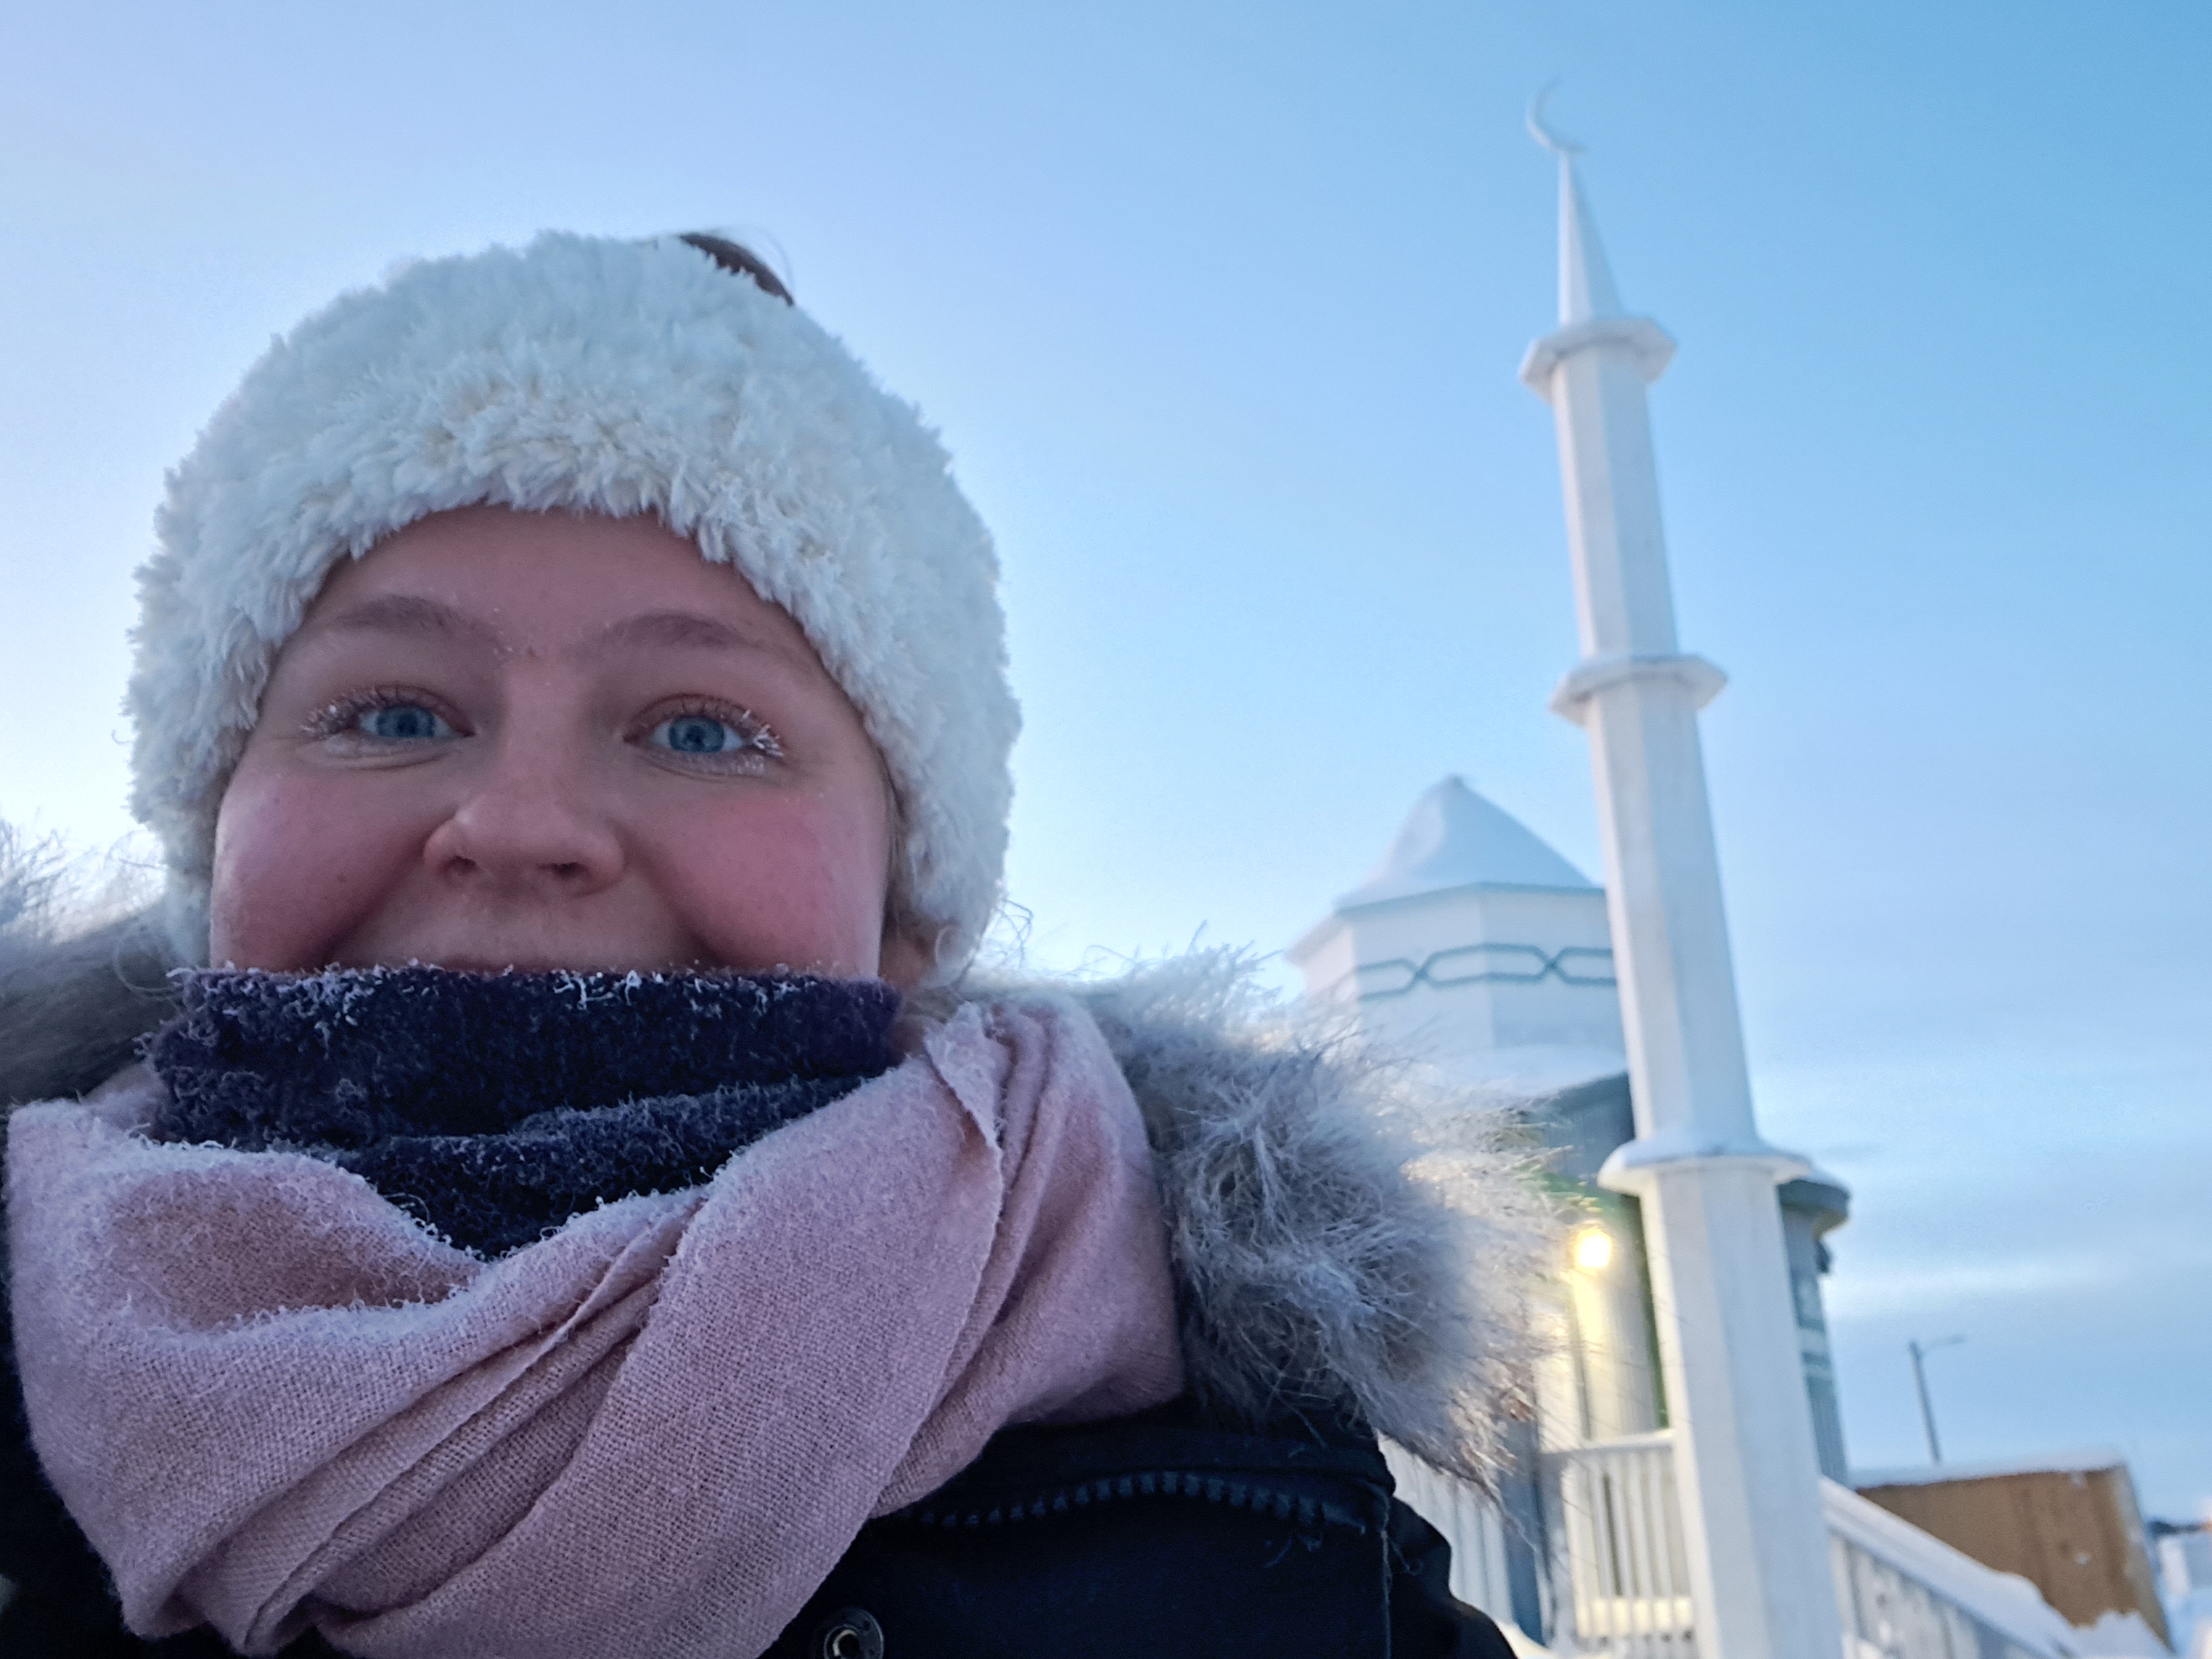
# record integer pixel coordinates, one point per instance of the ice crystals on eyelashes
(341, 716)
(754, 736)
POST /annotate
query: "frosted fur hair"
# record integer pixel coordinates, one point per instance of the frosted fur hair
(1347, 1236)
(83, 974)
(587, 374)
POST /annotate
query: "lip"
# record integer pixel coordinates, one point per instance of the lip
(466, 963)
(474, 964)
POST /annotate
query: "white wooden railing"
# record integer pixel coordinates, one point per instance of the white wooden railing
(1904, 1595)
(1619, 1577)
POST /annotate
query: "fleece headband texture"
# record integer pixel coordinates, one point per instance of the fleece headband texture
(586, 374)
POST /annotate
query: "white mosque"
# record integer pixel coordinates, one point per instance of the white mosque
(1684, 1490)
(1477, 947)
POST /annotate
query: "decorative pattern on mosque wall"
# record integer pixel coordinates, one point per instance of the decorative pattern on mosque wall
(1485, 964)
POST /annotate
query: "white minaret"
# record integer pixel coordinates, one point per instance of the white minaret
(1744, 1462)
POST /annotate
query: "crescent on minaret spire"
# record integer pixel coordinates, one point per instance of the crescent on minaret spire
(1586, 289)
(1589, 305)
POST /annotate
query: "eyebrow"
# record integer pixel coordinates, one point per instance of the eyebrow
(401, 613)
(667, 630)
(686, 630)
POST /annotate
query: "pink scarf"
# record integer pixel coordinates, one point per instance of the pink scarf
(272, 1400)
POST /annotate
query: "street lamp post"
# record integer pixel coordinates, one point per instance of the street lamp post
(1920, 1351)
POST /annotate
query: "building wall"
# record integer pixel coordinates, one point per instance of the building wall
(1810, 1208)
(1474, 970)
(2075, 1534)
(2185, 1556)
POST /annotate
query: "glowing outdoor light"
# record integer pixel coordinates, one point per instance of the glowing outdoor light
(1593, 1249)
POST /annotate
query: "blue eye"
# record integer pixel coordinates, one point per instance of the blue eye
(402, 722)
(699, 734)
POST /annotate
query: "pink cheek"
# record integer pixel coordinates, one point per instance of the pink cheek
(797, 887)
(296, 868)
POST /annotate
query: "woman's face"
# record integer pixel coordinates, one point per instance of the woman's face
(540, 740)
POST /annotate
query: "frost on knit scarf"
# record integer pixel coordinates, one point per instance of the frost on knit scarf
(494, 1107)
(273, 1400)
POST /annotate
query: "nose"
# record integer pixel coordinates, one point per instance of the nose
(527, 830)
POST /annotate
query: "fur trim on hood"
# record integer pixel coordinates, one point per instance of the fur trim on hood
(80, 981)
(1345, 1232)
(1347, 1237)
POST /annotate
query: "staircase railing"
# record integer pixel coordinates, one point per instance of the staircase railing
(1619, 1580)
(1906, 1595)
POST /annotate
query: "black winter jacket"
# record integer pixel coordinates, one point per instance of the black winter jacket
(1158, 1535)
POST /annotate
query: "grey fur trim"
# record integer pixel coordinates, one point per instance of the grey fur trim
(74, 998)
(1345, 1236)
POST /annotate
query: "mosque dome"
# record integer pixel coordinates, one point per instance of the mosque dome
(1455, 838)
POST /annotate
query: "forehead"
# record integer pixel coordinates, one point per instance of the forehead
(550, 582)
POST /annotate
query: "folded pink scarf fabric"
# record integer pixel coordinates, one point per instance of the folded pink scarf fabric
(272, 1399)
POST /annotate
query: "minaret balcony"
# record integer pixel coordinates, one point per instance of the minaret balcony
(1647, 345)
(1702, 679)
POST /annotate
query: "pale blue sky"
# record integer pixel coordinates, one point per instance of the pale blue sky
(1218, 308)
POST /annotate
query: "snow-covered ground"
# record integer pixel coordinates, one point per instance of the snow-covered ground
(2119, 1636)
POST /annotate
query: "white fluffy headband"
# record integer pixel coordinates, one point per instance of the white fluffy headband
(591, 374)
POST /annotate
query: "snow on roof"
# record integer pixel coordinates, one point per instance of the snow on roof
(2086, 1459)
(1455, 838)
